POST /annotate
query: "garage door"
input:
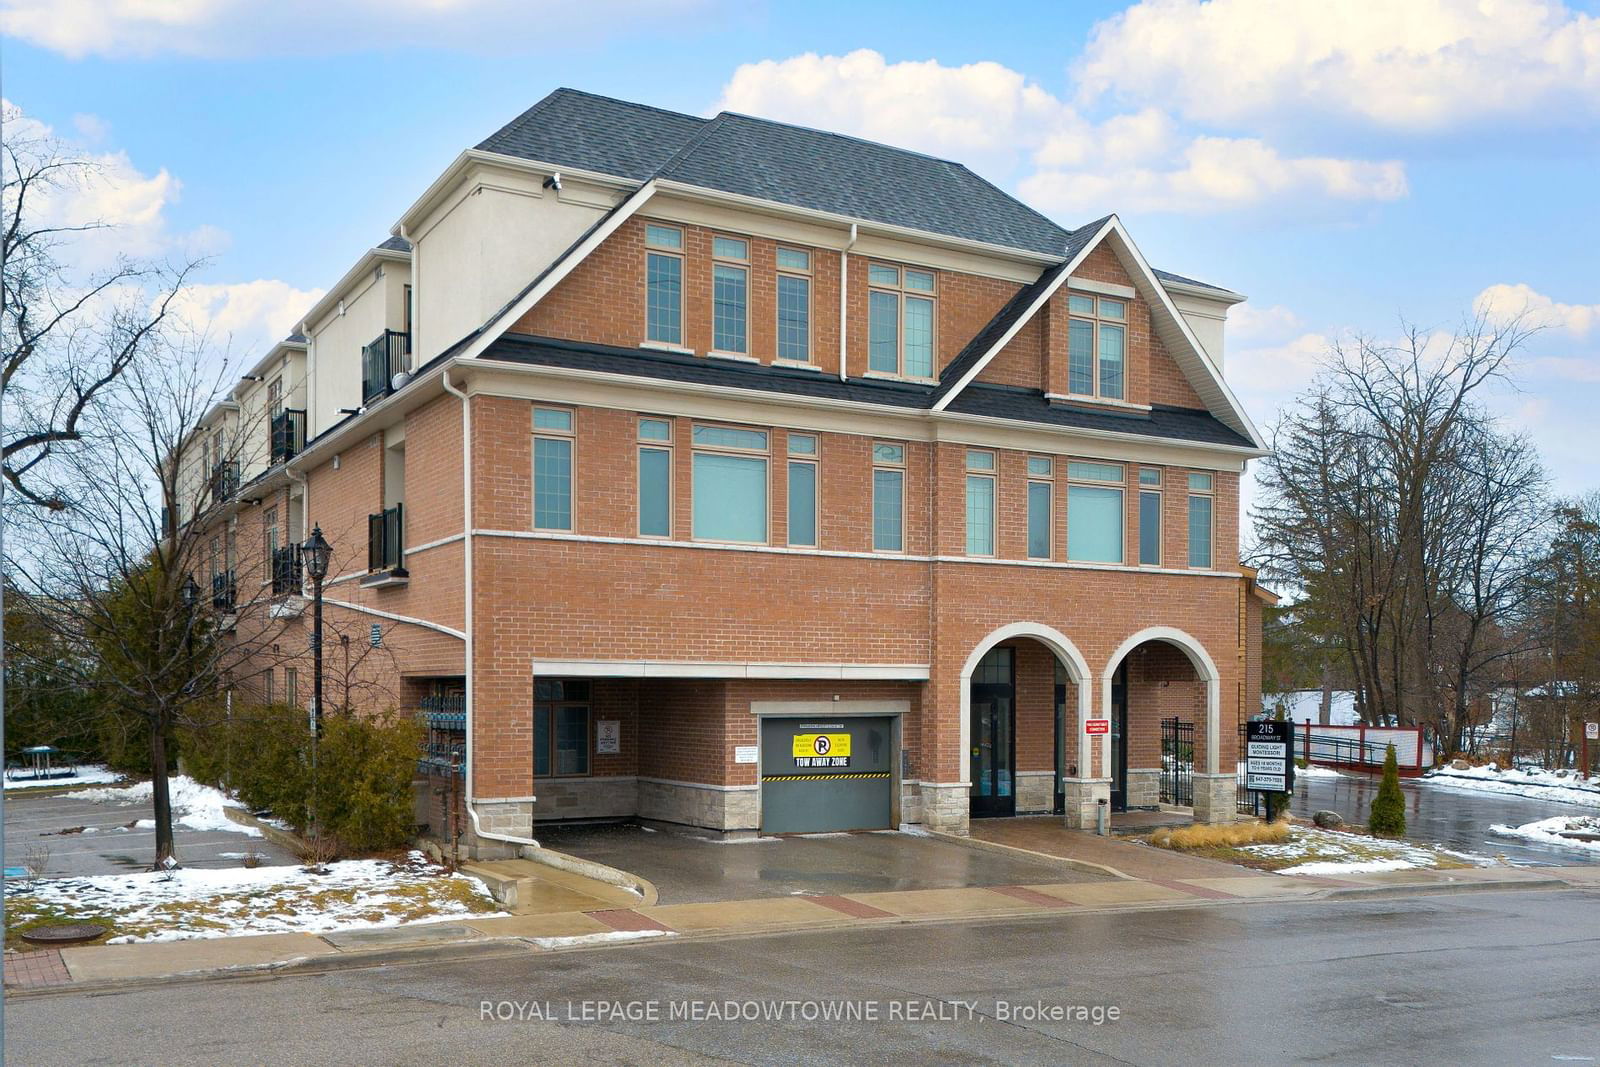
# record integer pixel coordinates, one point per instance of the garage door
(819, 775)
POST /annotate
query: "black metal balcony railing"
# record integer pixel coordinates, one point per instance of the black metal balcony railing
(222, 591)
(385, 551)
(287, 575)
(288, 434)
(445, 712)
(224, 480)
(381, 359)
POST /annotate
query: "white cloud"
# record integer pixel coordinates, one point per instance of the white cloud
(1271, 374)
(1006, 126)
(213, 28)
(1507, 300)
(245, 318)
(1413, 65)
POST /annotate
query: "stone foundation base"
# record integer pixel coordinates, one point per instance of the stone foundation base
(947, 808)
(586, 798)
(1144, 788)
(1084, 797)
(690, 804)
(1216, 798)
(1036, 792)
(513, 818)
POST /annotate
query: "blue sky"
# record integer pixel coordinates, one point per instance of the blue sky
(1343, 165)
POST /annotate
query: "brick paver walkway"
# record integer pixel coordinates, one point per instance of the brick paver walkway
(34, 970)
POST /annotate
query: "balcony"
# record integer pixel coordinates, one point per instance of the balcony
(385, 549)
(381, 360)
(287, 574)
(222, 592)
(288, 434)
(224, 481)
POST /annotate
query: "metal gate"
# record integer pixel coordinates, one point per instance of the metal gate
(820, 776)
(1177, 762)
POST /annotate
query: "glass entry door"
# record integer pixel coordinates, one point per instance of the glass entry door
(1119, 738)
(993, 754)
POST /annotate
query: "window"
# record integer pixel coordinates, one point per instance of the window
(1041, 495)
(291, 686)
(266, 686)
(980, 503)
(1094, 512)
(794, 305)
(552, 469)
(655, 478)
(803, 490)
(888, 497)
(664, 284)
(730, 484)
(900, 320)
(269, 528)
(560, 728)
(730, 294)
(1149, 517)
(275, 397)
(1096, 343)
(1200, 520)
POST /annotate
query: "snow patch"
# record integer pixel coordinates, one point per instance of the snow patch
(1353, 867)
(90, 775)
(1314, 771)
(194, 806)
(1539, 784)
(1549, 831)
(609, 937)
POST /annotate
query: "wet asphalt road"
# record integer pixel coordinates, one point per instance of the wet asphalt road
(35, 821)
(1453, 818)
(1470, 978)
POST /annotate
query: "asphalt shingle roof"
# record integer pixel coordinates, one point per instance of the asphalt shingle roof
(993, 401)
(589, 132)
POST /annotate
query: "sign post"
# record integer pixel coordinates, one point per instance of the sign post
(1591, 732)
(1269, 757)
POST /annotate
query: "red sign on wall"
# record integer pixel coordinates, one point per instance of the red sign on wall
(1097, 726)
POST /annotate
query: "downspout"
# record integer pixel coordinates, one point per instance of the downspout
(844, 290)
(466, 586)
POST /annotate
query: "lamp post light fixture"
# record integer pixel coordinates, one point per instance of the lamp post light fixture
(316, 553)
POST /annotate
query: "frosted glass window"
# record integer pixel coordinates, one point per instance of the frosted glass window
(888, 500)
(730, 497)
(552, 483)
(980, 515)
(803, 504)
(882, 453)
(655, 492)
(1094, 524)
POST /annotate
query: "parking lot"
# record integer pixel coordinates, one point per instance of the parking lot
(107, 837)
(689, 868)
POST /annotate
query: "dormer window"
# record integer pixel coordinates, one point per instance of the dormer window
(1096, 346)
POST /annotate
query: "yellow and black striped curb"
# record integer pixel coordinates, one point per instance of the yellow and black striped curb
(821, 777)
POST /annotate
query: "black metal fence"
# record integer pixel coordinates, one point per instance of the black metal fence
(385, 530)
(222, 591)
(381, 359)
(1177, 762)
(288, 434)
(286, 570)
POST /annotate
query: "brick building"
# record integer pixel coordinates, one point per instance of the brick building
(727, 473)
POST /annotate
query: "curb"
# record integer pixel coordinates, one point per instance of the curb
(1425, 889)
(600, 872)
(276, 834)
(1065, 861)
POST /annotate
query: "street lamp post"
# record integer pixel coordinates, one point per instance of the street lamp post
(316, 553)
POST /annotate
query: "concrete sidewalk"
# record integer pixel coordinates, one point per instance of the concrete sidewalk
(110, 966)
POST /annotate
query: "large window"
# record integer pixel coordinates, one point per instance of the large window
(1096, 344)
(803, 490)
(1200, 520)
(888, 497)
(552, 469)
(794, 305)
(663, 284)
(1041, 495)
(1094, 512)
(655, 478)
(730, 295)
(560, 728)
(1149, 517)
(980, 503)
(730, 484)
(900, 320)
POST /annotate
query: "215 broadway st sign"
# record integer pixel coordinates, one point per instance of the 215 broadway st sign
(1268, 766)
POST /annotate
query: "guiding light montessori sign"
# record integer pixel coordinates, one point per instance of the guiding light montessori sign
(1268, 766)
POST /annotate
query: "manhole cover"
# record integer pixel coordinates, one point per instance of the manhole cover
(65, 933)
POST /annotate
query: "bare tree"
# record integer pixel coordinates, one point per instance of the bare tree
(1403, 516)
(66, 339)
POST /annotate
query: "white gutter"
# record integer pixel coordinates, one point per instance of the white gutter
(844, 288)
(466, 587)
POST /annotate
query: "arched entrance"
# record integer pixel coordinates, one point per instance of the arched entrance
(1164, 674)
(1015, 722)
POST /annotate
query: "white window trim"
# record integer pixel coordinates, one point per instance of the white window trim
(732, 450)
(572, 467)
